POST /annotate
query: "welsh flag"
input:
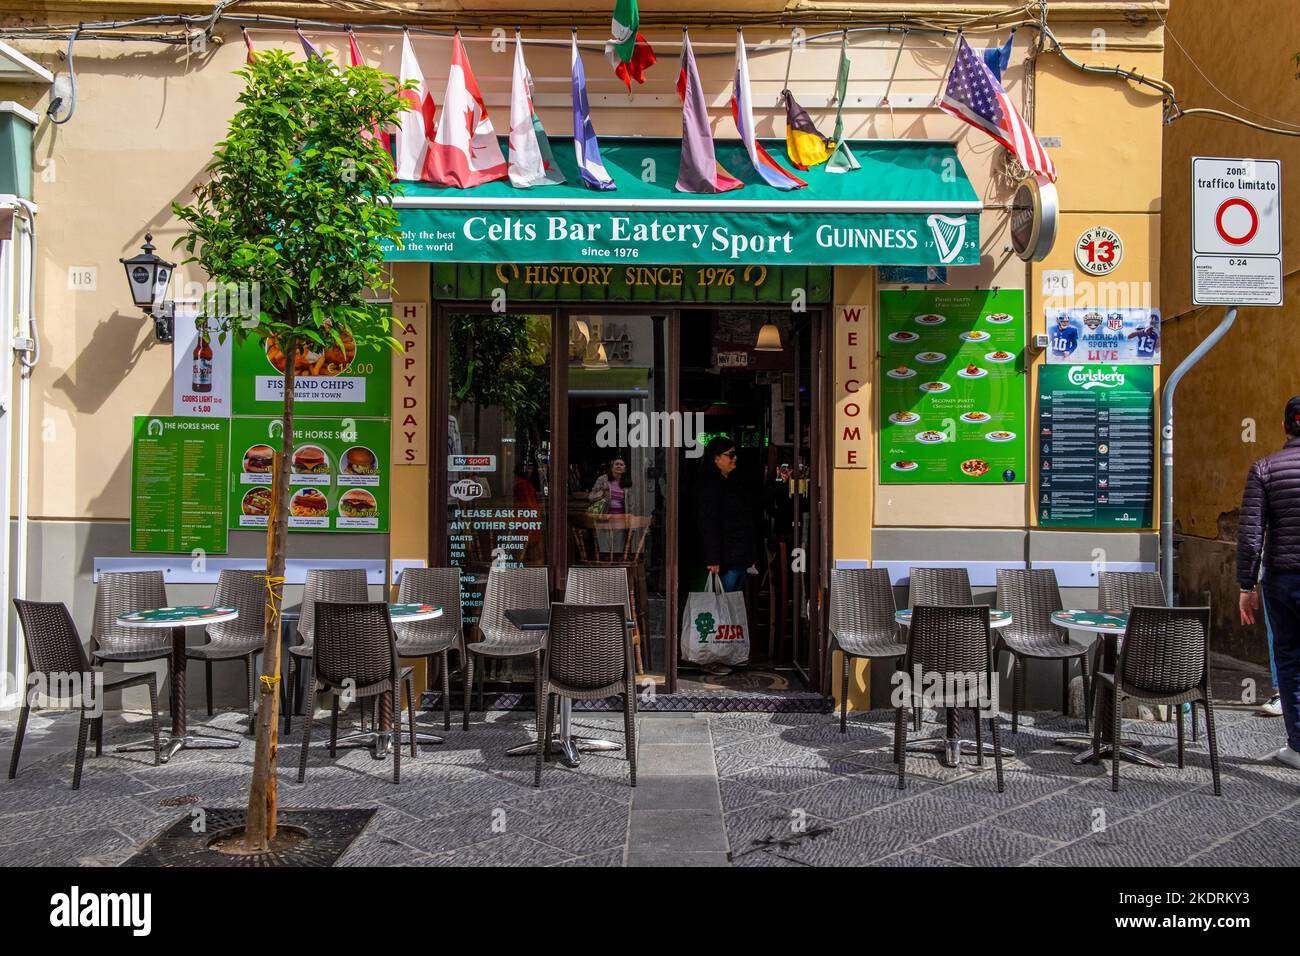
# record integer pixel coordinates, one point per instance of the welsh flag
(628, 51)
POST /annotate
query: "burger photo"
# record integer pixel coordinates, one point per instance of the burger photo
(359, 460)
(310, 460)
(258, 460)
(358, 504)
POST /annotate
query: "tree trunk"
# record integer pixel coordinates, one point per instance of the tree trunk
(260, 821)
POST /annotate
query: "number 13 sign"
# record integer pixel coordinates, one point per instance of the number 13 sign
(1098, 251)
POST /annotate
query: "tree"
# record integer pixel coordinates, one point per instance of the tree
(296, 207)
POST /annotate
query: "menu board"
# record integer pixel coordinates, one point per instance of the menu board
(178, 494)
(336, 380)
(952, 394)
(339, 474)
(1096, 446)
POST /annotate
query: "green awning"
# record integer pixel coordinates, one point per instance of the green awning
(911, 203)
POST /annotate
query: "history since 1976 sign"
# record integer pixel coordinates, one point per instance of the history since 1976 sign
(952, 396)
(1096, 446)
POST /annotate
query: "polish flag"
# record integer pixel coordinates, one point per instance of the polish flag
(465, 151)
(414, 124)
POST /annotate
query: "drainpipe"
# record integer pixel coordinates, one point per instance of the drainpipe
(1167, 449)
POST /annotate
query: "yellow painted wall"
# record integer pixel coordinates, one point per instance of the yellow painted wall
(1251, 373)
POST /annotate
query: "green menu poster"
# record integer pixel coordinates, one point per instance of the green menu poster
(331, 381)
(338, 477)
(178, 487)
(952, 388)
(1096, 446)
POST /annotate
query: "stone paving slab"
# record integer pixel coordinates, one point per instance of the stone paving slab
(714, 790)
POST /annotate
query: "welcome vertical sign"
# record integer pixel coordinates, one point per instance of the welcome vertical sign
(853, 357)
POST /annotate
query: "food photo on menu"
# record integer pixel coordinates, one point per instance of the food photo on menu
(360, 466)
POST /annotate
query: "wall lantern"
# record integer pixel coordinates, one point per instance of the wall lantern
(148, 276)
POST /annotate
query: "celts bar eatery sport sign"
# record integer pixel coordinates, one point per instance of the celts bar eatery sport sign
(670, 237)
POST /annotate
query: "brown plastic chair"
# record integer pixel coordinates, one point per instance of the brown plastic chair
(1031, 596)
(436, 638)
(343, 585)
(950, 644)
(1163, 659)
(588, 657)
(240, 639)
(862, 623)
(508, 589)
(54, 650)
(356, 654)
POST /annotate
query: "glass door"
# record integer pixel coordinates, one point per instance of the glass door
(619, 433)
(498, 472)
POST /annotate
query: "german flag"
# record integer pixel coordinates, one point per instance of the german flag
(805, 146)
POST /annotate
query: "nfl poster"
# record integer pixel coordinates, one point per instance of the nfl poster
(1103, 336)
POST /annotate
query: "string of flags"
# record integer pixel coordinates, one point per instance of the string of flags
(461, 149)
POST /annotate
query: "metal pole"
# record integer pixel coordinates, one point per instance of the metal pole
(1167, 449)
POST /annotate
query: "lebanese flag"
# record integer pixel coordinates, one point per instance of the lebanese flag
(354, 59)
(627, 50)
(465, 152)
(700, 171)
(414, 124)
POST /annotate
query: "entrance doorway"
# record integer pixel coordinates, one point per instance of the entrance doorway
(574, 436)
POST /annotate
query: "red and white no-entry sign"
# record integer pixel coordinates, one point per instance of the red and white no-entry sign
(1237, 222)
(1236, 231)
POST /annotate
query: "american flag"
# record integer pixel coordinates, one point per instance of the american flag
(974, 95)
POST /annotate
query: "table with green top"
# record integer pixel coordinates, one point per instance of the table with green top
(1110, 625)
(178, 619)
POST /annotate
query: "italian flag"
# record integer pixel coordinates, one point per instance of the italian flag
(628, 51)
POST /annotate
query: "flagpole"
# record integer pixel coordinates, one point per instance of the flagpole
(788, 60)
(893, 72)
(952, 57)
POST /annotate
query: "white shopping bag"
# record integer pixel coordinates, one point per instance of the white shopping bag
(715, 628)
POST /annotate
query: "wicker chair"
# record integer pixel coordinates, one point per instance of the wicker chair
(240, 639)
(356, 654)
(588, 657)
(1031, 595)
(948, 643)
(862, 623)
(508, 589)
(123, 592)
(941, 586)
(343, 585)
(1123, 591)
(54, 649)
(596, 585)
(438, 637)
(1164, 659)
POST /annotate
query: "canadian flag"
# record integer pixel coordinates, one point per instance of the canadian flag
(414, 124)
(465, 152)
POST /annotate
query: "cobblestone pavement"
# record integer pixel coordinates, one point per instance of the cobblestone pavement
(738, 789)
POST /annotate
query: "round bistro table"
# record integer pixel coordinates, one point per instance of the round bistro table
(177, 619)
(1110, 625)
(950, 747)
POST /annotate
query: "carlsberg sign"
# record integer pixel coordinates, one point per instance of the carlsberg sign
(1094, 376)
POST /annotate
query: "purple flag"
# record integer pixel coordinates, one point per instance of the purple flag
(699, 171)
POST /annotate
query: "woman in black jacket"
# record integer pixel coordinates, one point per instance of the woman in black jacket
(723, 516)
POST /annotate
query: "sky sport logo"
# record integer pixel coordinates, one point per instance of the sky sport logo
(75, 909)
